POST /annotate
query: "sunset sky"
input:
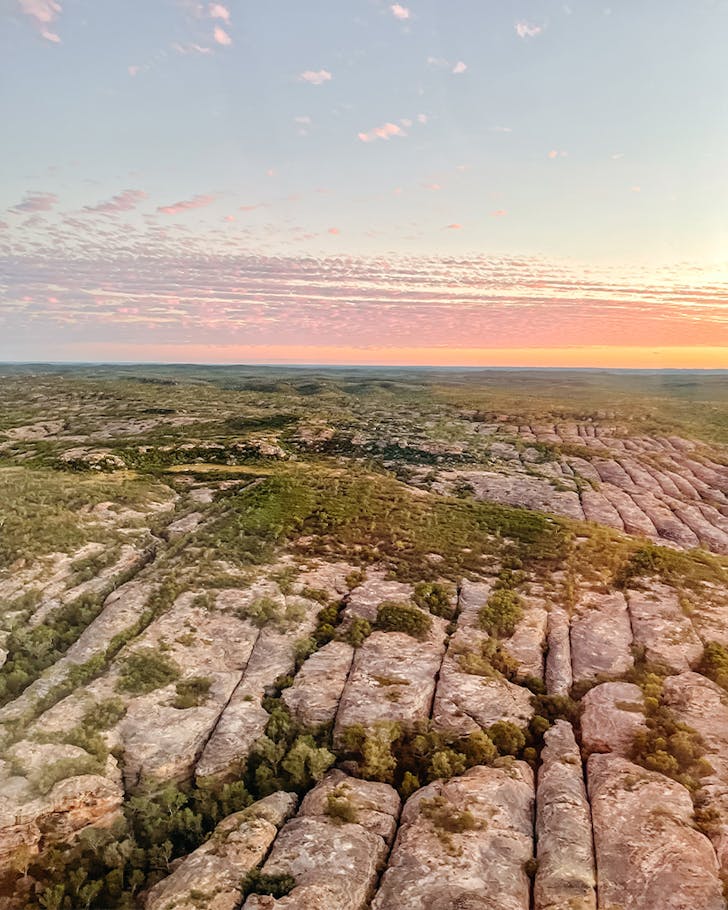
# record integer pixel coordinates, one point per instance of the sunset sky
(354, 181)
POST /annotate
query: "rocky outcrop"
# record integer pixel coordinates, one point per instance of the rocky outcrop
(313, 699)
(364, 600)
(558, 674)
(565, 877)
(662, 629)
(702, 705)
(612, 715)
(528, 643)
(601, 637)
(212, 875)
(334, 858)
(464, 843)
(392, 679)
(31, 821)
(648, 853)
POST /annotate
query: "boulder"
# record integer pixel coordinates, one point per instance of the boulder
(702, 705)
(559, 677)
(464, 843)
(648, 854)
(565, 877)
(613, 713)
(334, 862)
(601, 637)
(392, 679)
(214, 872)
(662, 629)
(313, 699)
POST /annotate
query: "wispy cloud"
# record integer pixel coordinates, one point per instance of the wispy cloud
(196, 202)
(191, 48)
(499, 213)
(36, 202)
(399, 12)
(44, 13)
(122, 202)
(386, 131)
(315, 77)
(454, 226)
(221, 36)
(459, 68)
(456, 68)
(556, 153)
(527, 29)
(218, 11)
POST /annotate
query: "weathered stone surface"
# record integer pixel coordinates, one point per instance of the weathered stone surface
(613, 713)
(559, 677)
(162, 742)
(648, 854)
(335, 864)
(214, 872)
(30, 822)
(376, 805)
(121, 609)
(524, 490)
(702, 705)
(185, 525)
(244, 719)
(598, 508)
(313, 699)
(481, 868)
(662, 629)
(528, 642)
(565, 878)
(364, 600)
(392, 679)
(601, 637)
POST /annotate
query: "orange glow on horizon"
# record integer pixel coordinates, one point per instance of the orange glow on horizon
(591, 356)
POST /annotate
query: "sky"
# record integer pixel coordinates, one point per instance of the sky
(447, 182)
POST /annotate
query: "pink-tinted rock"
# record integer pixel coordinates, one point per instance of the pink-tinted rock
(481, 866)
(601, 637)
(662, 629)
(613, 713)
(648, 854)
(566, 876)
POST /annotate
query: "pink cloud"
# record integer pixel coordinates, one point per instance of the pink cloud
(122, 202)
(229, 218)
(459, 67)
(554, 153)
(527, 30)
(454, 227)
(334, 231)
(499, 213)
(315, 77)
(36, 202)
(197, 202)
(432, 186)
(218, 11)
(399, 12)
(250, 208)
(386, 131)
(44, 12)
(191, 49)
(133, 70)
(222, 37)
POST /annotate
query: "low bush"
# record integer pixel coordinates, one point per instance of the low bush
(191, 692)
(403, 617)
(145, 670)
(714, 664)
(435, 598)
(501, 613)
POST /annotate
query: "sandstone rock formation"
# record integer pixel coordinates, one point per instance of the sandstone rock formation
(464, 843)
(565, 877)
(601, 637)
(648, 854)
(313, 699)
(612, 714)
(213, 874)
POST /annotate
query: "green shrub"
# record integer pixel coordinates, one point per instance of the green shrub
(340, 807)
(359, 630)
(403, 617)
(501, 613)
(507, 737)
(435, 598)
(257, 882)
(488, 659)
(714, 664)
(447, 817)
(191, 692)
(145, 670)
